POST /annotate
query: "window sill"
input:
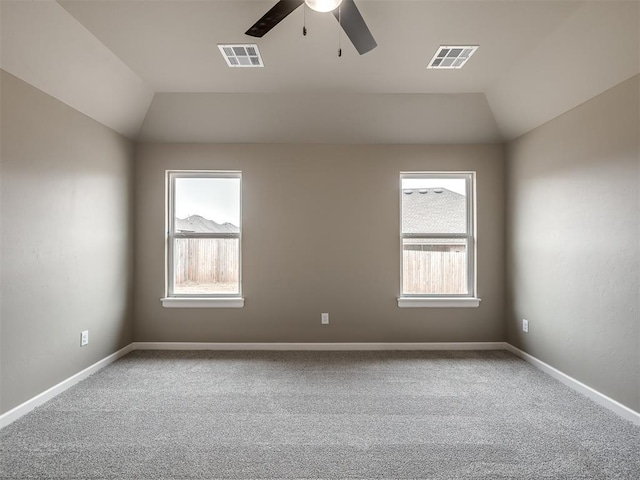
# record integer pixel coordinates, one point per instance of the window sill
(218, 302)
(420, 302)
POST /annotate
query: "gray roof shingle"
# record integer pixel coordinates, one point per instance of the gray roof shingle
(433, 210)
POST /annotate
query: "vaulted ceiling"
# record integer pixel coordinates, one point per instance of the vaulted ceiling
(151, 70)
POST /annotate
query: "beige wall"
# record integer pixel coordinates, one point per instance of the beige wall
(573, 237)
(66, 231)
(320, 235)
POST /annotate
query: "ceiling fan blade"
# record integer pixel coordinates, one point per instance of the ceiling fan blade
(354, 26)
(273, 17)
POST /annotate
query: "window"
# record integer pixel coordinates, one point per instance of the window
(203, 239)
(438, 239)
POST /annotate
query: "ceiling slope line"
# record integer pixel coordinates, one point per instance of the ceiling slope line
(46, 47)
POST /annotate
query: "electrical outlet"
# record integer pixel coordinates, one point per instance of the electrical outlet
(325, 319)
(84, 338)
(525, 325)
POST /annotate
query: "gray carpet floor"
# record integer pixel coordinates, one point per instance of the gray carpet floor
(394, 415)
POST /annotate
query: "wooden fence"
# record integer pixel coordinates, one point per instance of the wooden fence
(435, 271)
(214, 264)
(206, 261)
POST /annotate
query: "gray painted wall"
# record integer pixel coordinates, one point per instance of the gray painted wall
(573, 242)
(320, 235)
(66, 230)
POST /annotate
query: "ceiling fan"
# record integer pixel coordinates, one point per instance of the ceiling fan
(345, 12)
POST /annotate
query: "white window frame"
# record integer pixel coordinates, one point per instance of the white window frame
(179, 300)
(470, 299)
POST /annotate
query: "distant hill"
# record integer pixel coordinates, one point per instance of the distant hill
(198, 224)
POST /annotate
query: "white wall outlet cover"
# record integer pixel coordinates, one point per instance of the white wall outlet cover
(84, 338)
(325, 319)
(525, 325)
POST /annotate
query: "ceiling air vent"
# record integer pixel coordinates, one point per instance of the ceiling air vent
(452, 56)
(246, 55)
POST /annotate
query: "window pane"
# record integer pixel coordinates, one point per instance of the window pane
(434, 266)
(204, 266)
(434, 205)
(207, 205)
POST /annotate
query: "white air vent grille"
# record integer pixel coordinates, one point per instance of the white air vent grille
(246, 55)
(452, 56)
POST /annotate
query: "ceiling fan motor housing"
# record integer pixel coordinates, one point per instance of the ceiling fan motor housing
(323, 5)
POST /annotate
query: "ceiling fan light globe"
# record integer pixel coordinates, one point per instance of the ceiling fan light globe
(323, 5)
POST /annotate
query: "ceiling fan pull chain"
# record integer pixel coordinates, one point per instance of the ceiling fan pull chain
(339, 32)
(304, 20)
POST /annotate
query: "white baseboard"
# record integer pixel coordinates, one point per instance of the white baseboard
(24, 408)
(362, 346)
(600, 398)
